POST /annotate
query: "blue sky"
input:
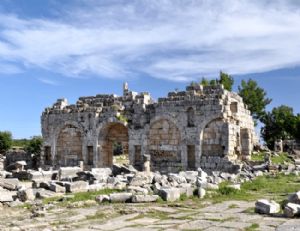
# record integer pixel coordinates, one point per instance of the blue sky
(53, 49)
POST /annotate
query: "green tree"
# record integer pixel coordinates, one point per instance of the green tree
(297, 127)
(227, 81)
(34, 146)
(5, 141)
(255, 97)
(280, 123)
(204, 82)
(213, 82)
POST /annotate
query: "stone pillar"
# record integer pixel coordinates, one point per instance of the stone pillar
(146, 165)
(81, 165)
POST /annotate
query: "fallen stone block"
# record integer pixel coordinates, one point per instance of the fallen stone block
(102, 198)
(10, 183)
(172, 177)
(144, 198)
(169, 194)
(67, 173)
(264, 206)
(120, 197)
(77, 186)
(291, 210)
(26, 194)
(186, 189)
(101, 174)
(43, 193)
(6, 196)
(137, 190)
(294, 198)
(141, 179)
(96, 187)
(57, 188)
(190, 176)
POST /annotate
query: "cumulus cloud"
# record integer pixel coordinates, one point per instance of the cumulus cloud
(168, 39)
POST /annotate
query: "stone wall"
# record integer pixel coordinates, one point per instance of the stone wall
(201, 126)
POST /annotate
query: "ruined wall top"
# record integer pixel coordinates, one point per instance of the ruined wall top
(102, 102)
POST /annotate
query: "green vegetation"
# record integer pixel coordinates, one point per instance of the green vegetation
(280, 123)
(252, 227)
(255, 97)
(225, 79)
(272, 187)
(280, 158)
(34, 145)
(122, 118)
(5, 141)
(98, 215)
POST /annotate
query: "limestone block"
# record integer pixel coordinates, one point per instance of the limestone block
(190, 176)
(77, 186)
(264, 206)
(294, 198)
(43, 193)
(141, 179)
(186, 189)
(173, 177)
(9, 183)
(26, 194)
(68, 172)
(57, 188)
(120, 197)
(144, 198)
(137, 190)
(169, 194)
(102, 198)
(6, 196)
(291, 210)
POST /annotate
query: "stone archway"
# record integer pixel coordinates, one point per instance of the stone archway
(113, 141)
(69, 146)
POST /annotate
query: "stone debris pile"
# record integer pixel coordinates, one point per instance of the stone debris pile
(134, 186)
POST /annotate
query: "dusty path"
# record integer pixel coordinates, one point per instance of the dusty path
(230, 215)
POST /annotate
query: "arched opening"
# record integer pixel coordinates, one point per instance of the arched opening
(164, 145)
(190, 117)
(69, 146)
(113, 140)
(212, 143)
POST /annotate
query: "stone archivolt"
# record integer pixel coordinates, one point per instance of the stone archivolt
(203, 126)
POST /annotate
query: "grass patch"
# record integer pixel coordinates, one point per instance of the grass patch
(220, 219)
(233, 206)
(280, 158)
(252, 227)
(98, 215)
(272, 187)
(258, 156)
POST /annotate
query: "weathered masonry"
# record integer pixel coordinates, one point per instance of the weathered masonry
(204, 126)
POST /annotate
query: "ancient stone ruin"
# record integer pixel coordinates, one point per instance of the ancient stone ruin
(203, 126)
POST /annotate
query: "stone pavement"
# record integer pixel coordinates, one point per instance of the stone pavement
(230, 215)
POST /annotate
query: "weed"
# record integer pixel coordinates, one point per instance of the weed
(252, 227)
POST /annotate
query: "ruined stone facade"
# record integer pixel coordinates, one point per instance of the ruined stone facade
(204, 126)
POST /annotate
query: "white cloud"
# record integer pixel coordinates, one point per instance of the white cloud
(169, 39)
(48, 81)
